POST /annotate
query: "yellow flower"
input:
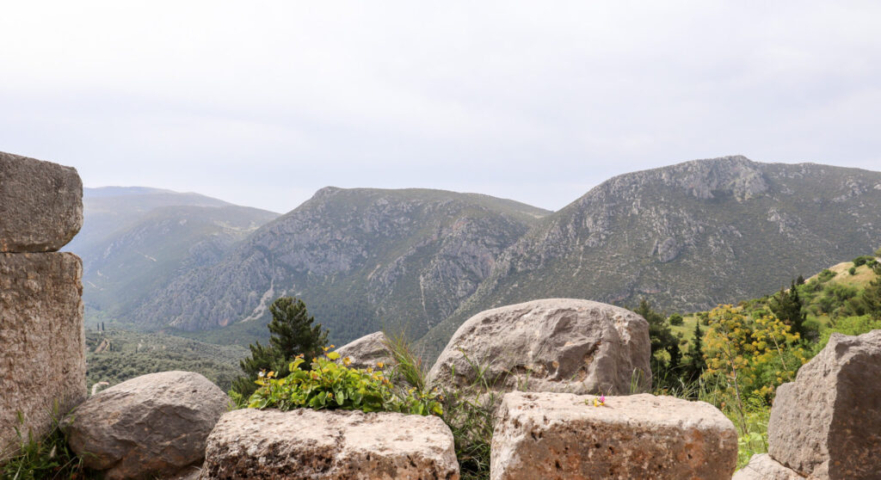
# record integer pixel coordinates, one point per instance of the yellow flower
(347, 361)
(379, 364)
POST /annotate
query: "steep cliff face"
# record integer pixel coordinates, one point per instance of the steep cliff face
(361, 259)
(688, 237)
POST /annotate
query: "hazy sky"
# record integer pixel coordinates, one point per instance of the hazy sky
(261, 103)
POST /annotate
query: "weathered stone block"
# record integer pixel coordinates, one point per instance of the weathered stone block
(367, 351)
(329, 445)
(42, 340)
(41, 204)
(155, 424)
(827, 424)
(763, 467)
(563, 436)
(553, 345)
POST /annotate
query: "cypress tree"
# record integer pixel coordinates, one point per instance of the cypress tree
(696, 362)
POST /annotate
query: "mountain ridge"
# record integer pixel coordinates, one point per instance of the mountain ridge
(685, 236)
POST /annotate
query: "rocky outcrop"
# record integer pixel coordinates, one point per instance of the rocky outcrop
(553, 345)
(329, 445)
(41, 206)
(686, 237)
(367, 351)
(763, 467)
(563, 436)
(155, 424)
(388, 258)
(42, 342)
(827, 424)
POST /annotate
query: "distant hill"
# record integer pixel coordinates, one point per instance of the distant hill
(135, 240)
(361, 259)
(687, 237)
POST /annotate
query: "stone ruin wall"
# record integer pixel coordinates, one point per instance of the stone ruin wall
(42, 337)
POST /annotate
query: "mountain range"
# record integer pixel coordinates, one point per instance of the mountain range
(686, 237)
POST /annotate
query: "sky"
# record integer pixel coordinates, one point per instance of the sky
(262, 103)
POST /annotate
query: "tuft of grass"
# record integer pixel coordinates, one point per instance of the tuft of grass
(408, 365)
(42, 458)
(467, 411)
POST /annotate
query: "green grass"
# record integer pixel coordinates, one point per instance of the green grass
(48, 457)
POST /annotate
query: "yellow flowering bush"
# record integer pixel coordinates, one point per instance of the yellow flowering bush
(331, 385)
(752, 356)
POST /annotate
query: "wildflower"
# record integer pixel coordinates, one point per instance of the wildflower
(347, 361)
(379, 364)
(262, 373)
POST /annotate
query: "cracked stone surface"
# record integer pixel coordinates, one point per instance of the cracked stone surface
(155, 424)
(41, 204)
(551, 345)
(329, 445)
(42, 341)
(559, 436)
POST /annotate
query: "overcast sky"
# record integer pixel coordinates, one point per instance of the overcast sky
(261, 103)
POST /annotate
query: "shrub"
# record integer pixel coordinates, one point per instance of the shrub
(864, 260)
(826, 275)
(849, 326)
(852, 270)
(329, 385)
(751, 357)
(676, 320)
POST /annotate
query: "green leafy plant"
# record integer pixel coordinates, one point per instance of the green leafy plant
(331, 385)
(48, 457)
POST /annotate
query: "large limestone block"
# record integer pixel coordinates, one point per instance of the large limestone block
(41, 204)
(155, 424)
(559, 436)
(329, 445)
(553, 345)
(827, 424)
(367, 351)
(763, 467)
(42, 341)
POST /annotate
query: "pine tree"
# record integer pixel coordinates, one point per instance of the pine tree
(800, 280)
(787, 306)
(291, 333)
